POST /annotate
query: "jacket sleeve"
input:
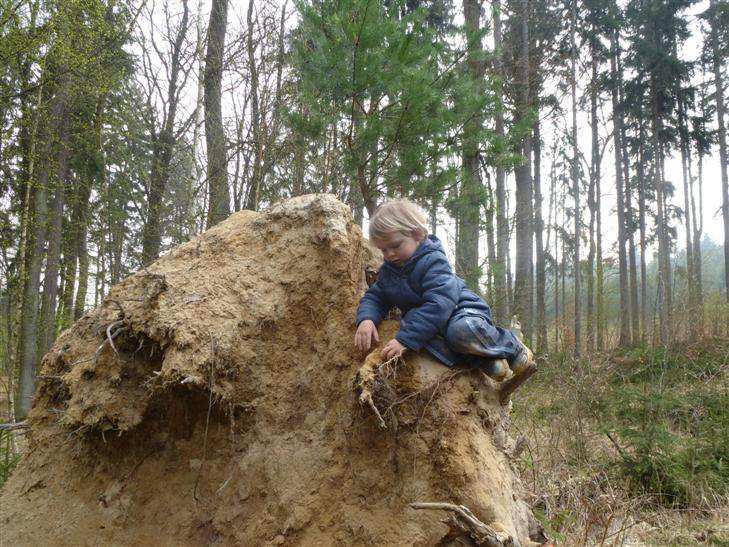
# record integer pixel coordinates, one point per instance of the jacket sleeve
(441, 291)
(374, 305)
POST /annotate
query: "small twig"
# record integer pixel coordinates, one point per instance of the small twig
(12, 426)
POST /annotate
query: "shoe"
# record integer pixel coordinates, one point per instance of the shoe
(523, 359)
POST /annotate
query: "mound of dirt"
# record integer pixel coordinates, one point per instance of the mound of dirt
(210, 399)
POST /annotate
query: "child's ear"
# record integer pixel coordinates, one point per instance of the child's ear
(418, 235)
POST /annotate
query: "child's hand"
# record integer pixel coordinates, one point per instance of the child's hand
(365, 333)
(392, 349)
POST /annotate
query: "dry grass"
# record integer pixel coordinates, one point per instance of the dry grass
(570, 463)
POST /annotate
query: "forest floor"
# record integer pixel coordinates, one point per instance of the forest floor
(630, 448)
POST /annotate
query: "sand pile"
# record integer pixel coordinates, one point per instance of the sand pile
(210, 399)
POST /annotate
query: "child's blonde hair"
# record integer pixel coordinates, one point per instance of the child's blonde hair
(401, 216)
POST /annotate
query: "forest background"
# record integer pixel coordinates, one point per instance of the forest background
(572, 154)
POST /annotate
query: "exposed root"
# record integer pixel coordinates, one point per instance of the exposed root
(513, 383)
(464, 523)
(109, 339)
(371, 379)
(373, 384)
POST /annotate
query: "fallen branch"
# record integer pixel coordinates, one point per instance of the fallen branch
(12, 426)
(513, 383)
(467, 523)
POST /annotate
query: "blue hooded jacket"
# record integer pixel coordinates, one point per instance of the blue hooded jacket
(428, 294)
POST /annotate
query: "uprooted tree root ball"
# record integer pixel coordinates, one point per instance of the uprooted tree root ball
(209, 399)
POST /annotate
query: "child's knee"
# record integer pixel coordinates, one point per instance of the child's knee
(460, 336)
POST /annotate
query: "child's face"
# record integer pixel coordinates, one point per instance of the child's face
(397, 248)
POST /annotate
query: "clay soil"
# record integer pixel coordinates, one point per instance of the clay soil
(224, 411)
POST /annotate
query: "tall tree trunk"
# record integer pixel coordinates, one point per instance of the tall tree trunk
(217, 172)
(686, 175)
(29, 335)
(490, 236)
(664, 284)
(643, 242)
(254, 190)
(629, 222)
(575, 181)
(59, 166)
(163, 147)
(624, 317)
(523, 282)
(600, 291)
(501, 300)
(591, 202)
(723, 158)
(469, 203)
(541, 277)
(698, 225)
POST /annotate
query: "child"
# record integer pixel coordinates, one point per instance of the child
(438, 312)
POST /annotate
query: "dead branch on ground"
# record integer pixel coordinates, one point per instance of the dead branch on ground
(464, 522)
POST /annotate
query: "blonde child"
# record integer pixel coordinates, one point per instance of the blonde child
(438, 312)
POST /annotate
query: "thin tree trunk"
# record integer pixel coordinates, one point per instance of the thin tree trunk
(664, 291)
(469, 210)
(595, 159)
(624, 317)
(643, 243)
(698, 223)
(723, 154)
(217, 172)
(254, 190)
(541, 277)
(490, 237)
(523, 282)
(575, 182)
(686, 175)
(501, 301)
(163, 148)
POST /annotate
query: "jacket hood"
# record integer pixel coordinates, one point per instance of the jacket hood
(430, 245)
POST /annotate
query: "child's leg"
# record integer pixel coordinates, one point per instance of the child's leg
(477, 335)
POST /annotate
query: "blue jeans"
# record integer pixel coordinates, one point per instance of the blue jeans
(478, 336)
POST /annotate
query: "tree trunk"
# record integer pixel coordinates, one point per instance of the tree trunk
(698, 225)
(624, 317)
(469, 203)
(501, 300)
(29, 340)
(523, 281)
(575, 182)
(723, 158)
(686, 175)
(629, 224)
(541, 277)
(217, 172)
(163, 147)
(643, 242)
(59, 168)
(254, 189)
(591, 203)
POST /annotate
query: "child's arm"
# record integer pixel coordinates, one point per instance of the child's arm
(372, 309)
(441, 291)
(374, 305)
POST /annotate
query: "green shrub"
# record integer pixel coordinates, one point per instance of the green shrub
(670, 417)
(8, 459)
